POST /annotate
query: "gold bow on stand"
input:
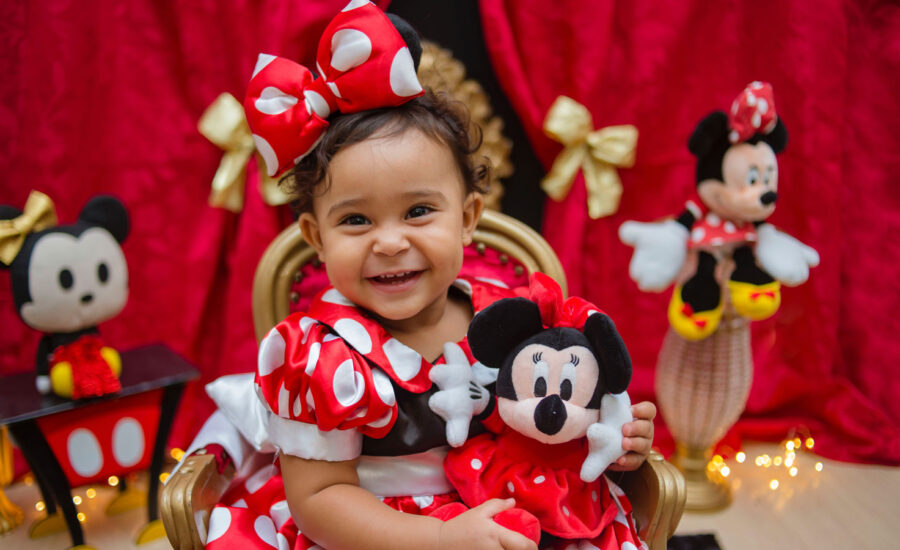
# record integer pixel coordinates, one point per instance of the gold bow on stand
(224, 124)
(596, 152)
(38, 214)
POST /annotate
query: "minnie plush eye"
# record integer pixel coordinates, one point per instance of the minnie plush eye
(567, 378)
(541, 371)
(752, 176)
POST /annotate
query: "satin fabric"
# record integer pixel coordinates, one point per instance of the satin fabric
(824, 364)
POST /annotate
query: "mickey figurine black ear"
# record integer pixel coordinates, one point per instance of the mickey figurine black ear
(66, 279)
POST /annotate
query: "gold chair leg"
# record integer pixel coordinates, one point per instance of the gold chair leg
(11, 516)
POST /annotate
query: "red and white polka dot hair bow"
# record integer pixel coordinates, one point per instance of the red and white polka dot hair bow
(752, 111)
(363, 63)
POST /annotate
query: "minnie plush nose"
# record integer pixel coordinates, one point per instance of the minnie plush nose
(550, 414)
(768, 197)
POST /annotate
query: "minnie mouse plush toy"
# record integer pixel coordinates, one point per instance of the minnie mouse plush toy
(737, 187)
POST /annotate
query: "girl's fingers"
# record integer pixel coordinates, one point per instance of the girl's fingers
(638, 428)
(511, 540)
(494, 506)
(645, 410)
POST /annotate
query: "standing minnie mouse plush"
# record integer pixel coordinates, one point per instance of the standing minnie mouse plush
(560, 394)
(737, 186)
(65, 280)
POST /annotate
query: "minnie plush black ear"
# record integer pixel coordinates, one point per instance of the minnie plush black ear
(500, 327)
(410, 36)
(778, 137)
(610, 351)
(109, 213)
(711, 132)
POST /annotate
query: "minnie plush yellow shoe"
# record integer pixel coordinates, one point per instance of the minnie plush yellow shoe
(690, 324)
(756, 302)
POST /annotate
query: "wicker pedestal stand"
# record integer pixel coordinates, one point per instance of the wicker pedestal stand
(702, 388)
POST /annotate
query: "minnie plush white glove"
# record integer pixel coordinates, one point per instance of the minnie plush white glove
(605, 437)
(460, 396)
(659, 252)
(784, 257)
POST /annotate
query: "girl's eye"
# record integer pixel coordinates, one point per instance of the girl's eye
(418, 211)
(354, 219)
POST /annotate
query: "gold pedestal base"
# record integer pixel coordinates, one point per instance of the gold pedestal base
(150, 532)
(129, 499)
(706, 491)
(47, 525)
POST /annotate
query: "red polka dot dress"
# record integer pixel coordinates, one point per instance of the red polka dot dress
(339, 387)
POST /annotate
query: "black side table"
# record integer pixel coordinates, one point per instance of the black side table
(154, 373)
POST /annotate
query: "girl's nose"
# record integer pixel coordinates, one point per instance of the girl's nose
(390, 241)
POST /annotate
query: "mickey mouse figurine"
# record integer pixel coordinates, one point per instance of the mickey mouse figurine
(65, 280)
(737, 186)
(562, 372)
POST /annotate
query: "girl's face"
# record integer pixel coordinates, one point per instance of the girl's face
(392, 225)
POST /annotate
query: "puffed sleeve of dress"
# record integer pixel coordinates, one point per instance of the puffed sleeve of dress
(324, 396)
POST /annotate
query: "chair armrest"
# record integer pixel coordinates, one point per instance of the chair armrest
(188, 497)
(657, 493)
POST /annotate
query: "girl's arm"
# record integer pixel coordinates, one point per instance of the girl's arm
(330, 507)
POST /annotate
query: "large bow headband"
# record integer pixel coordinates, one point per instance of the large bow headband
(752, 111)
(363, 63)
(556, 311)
(39, 214)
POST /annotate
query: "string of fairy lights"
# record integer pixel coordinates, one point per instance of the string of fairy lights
(789, 461)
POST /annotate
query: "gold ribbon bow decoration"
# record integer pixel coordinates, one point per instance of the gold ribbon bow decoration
(596, 152)
(225, 124)
(38, 214)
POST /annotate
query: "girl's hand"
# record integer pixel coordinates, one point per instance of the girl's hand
(638, 437)
(476, 529)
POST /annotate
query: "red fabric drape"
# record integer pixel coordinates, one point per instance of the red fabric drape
(104, 96)
(826, 361)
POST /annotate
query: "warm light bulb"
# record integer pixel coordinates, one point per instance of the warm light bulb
(39, 506)
(773, 484)
(163, 477)
(113, 481)
(81, 517)
(76, 499)
(741, 457)
(793, 471)
(777, 461)
(797, 442)
(710, 466)
(809, 443)
(177, 453)
(91, 493)
(725, 471)
(818, 466)
(717, 459)
(28, 479)
(789, 446)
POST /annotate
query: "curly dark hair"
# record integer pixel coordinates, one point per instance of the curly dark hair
(434, 114)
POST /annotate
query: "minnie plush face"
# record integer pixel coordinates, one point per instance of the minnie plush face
(550, 381)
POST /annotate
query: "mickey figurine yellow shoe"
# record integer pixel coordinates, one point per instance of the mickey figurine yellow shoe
(756, 302)
(689, 323)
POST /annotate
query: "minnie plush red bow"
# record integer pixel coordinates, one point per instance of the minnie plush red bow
(752, 111)
(363, 63)
(556, 312)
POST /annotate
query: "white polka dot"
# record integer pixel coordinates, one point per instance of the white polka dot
(476, 464)
(628, 546)
(240, 504)
(332, 296)
(510, 487)
(565, 511)
(594, 496)
(298, 406)
(405, 361)
(348, 385)
(334, 89)
(734, 106)
(539, 479)
(283, 543)
(733, 136)
(265, 530)
(423, 501)
(355, 4)
(219, 522)
(271, 353)
(85, 453)
(259, 478)
(729, 227)
(355, 334)
(383, 421)
(330, 338)
(384, 387)
(284, 401)
(358, 413)
(272, 101)
(316, 103)
(756, 120)
(313, 358)
(267, 153)
(713, 220)
(762, 105)
(697, 234)
(128, 442)
(261, 61)
(404, 82)
(751, 99)
(349, 48)
(488, 280)
(280, 513)
(310, 401)
(464, 285)
(717, 241)
(756, 85)
(304, 324)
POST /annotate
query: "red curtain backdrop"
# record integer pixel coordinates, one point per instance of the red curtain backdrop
(104, 97)
(827, 361)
